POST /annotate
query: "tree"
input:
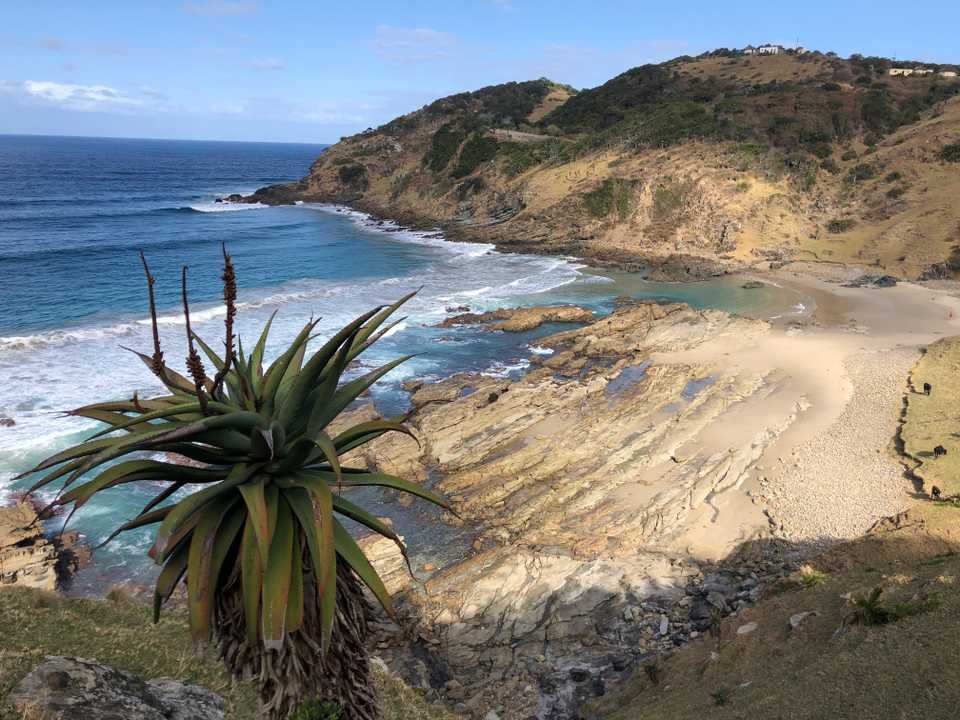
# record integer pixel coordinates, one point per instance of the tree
(272, 575)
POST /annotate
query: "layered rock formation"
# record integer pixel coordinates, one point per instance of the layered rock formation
(582, 479)
(27, 558)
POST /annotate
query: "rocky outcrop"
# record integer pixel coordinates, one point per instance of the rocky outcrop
(78, 689)
(521, 319)
(27, 558)
(580, 479)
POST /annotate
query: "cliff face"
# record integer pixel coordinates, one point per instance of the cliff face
(690, 167)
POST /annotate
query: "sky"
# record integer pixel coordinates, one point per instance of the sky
(313, 71)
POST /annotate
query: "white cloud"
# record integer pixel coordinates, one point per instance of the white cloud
(268, 64)
(76, 97)
(504, 5)
(413, 44)
(220, 8)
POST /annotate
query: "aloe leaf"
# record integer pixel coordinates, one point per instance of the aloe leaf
(200, 564)
(294, 615)
(256, 502)
(324, 413)
(350, 553)
(251, 575)
(366, 479)
(183, 509)
(365, 432)
(256, 357)
(279, 367)
(169, 578)
(277, 579)
(316, 520)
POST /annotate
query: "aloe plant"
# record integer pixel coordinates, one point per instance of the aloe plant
(271, 573)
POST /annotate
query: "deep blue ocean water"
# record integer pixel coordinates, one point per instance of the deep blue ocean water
(74, 212)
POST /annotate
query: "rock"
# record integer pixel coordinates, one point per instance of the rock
(521, 319)
(664, 624)
(27, 558)
(78, 689)
(753, 285)
(7, 422)
(492, 715)
(746, 629)
(800, 618)
(388, 561)
(885, 281)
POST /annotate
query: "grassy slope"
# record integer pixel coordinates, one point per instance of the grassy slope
(904, 669)
(932, 420)
(121, 634)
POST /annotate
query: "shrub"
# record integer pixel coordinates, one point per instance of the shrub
(721, 696)
(861, 172)
(667, 200)
(840, 225)
(896, 192)
(830, 166)
(872, 611)
(444, 145)
(354, 176)
(478, 149)
(849, 155)
(811, 577)
(612, 194)
(470, 186)
(315, 709)
(951, 153)
(893, 177)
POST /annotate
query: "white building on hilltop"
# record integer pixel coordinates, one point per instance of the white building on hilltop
(764, 50)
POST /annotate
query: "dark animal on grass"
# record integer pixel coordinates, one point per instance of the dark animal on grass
(927, 387)
(939, 450)
(935, 492)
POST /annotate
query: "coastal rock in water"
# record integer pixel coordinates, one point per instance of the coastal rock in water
(27, 558)
(521, 319)
(78, 689)
(753, 285)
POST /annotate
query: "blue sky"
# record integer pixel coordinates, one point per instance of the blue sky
(314, 71)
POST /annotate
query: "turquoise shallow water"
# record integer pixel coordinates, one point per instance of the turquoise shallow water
(75, 211)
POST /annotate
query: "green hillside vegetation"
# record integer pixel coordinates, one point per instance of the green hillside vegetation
(804, 120)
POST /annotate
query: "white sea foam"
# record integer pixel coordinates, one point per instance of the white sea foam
(503, 370)
(49, 371)
(540, 350)
(219, 207)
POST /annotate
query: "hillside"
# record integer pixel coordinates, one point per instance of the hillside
(689, 166)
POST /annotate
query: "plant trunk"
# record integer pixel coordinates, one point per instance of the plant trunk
(299, 670)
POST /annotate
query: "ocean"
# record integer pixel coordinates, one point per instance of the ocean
(75, 212)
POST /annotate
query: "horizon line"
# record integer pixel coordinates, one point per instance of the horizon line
(165, 139)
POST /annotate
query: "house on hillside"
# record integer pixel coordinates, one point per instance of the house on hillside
(905, 72)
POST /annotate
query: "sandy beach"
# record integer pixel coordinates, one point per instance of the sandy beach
(838, 383)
